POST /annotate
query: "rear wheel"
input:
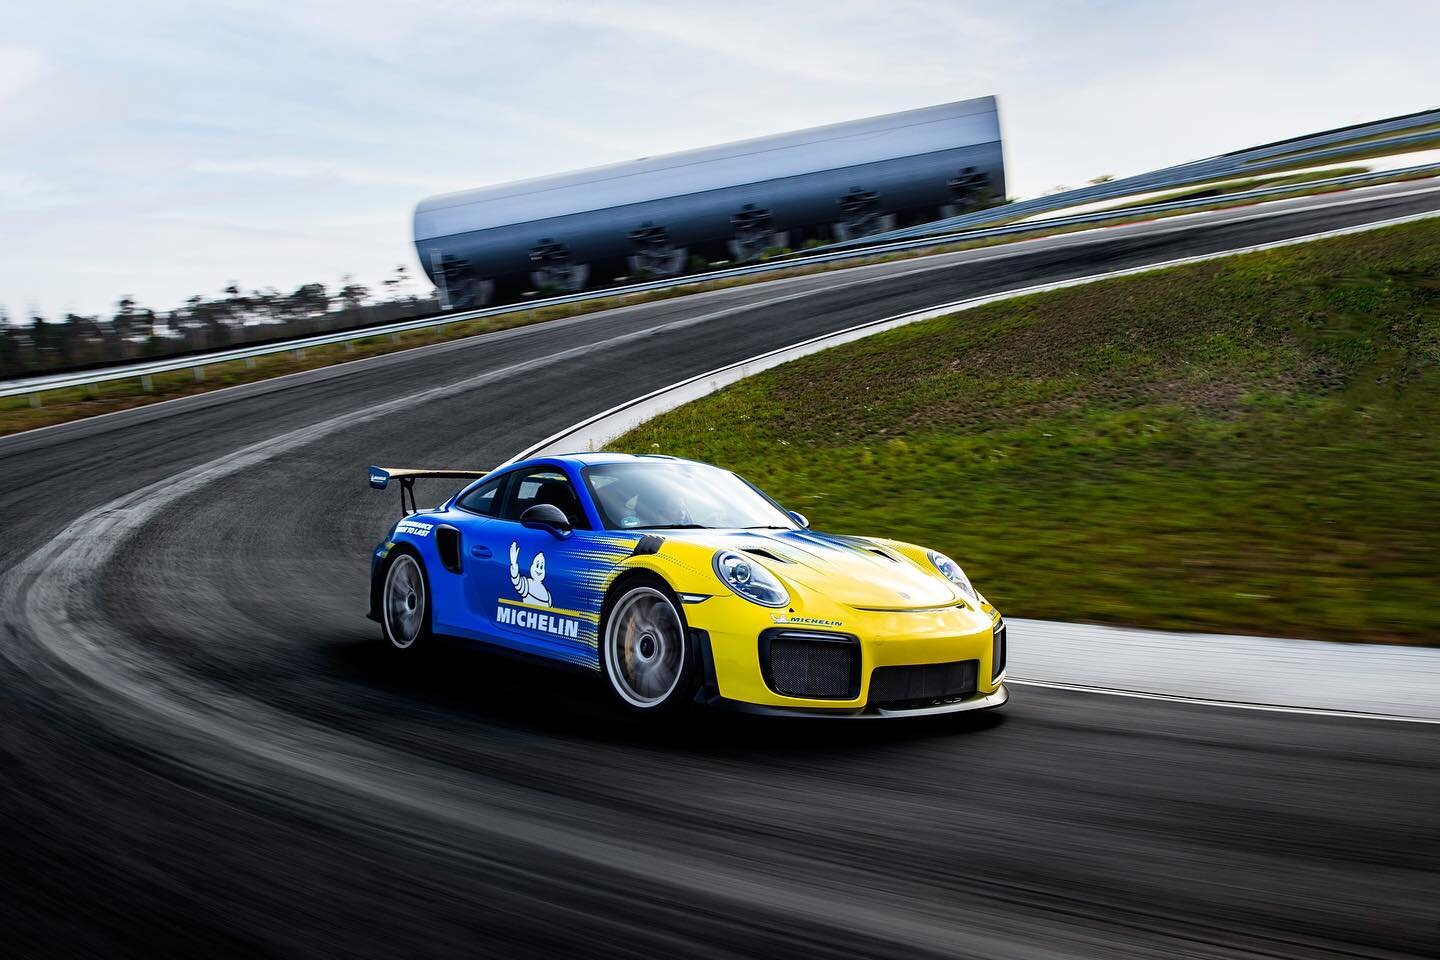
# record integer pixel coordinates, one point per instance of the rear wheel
(405, 605)
(645, 656)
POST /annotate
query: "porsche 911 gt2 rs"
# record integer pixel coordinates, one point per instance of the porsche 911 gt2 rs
(680, 582)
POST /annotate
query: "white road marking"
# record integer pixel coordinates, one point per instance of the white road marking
(1230, 704)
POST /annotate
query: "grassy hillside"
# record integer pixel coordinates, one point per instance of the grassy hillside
(1246, 445)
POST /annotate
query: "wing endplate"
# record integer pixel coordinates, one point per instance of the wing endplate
(380, 477)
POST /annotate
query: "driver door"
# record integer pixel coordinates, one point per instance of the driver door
(529, 588)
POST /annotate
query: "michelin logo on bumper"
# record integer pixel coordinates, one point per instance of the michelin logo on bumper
(805, 621)
(531, 589)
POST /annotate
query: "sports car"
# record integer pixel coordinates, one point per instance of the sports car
(680, 582)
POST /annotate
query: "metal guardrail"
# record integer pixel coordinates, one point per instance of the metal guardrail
(1316, 148)
(1127, 213)
(144, 370)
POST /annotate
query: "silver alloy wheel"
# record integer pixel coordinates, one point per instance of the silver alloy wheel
(644, 647)
(404, 601)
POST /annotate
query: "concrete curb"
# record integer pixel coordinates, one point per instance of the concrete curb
(1380, 680)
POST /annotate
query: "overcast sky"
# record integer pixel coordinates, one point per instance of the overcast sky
(170, 148)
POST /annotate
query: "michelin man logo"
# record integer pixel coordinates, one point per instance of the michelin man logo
(531, 588)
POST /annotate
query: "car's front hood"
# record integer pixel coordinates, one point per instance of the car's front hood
(848, 570)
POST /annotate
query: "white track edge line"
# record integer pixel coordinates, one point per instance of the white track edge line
(1204, 702)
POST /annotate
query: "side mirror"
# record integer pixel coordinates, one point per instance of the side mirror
(799, 518)
(546, 516)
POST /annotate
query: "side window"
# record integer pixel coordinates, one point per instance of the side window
(484, 498)
(544, 485)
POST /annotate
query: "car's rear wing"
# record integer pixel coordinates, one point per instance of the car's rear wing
(380, 478)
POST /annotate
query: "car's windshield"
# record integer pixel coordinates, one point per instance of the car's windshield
(676, 494)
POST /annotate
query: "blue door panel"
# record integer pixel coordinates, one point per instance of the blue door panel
(547, 603)
(449, 613)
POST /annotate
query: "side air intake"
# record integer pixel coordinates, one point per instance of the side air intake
(447, 542)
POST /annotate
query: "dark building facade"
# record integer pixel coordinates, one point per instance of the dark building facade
(661, 216)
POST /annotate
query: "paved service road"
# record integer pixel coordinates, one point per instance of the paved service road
(202, 750)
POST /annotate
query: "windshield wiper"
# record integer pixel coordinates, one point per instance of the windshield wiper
(669, 526)
(767, 526)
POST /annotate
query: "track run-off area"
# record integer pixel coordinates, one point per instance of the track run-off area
(202, 749)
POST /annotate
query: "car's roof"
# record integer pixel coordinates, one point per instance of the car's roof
(578, 460)
(605, 456)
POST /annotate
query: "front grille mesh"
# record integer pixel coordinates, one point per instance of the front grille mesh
(921, 684)
(822, 669)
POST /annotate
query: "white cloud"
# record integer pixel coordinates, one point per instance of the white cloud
(19, 69)
(23, 191)
(159, 147)
(306, 168)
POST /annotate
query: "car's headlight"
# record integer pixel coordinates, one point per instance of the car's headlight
(951, 571)
(750, 580)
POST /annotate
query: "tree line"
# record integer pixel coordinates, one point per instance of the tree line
(36, 344)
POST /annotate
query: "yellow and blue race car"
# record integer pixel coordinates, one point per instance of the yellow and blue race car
(680, 582)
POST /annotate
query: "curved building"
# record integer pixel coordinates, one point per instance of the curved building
(659, 216)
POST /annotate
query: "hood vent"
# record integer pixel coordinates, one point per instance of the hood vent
(758, 552)
(881, 553)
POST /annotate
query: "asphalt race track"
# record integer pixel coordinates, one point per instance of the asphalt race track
(204, 752)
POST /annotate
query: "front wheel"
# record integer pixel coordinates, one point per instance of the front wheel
(645, 657)
(405, 605)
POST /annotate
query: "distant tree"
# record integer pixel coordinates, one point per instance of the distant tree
(148, 339)
(12, 348)
(167, 331)
(41, 339)
(268, 303)
(311, 298)
(307, 307)
(83, 341)
(235, 310)
(201, 322)
(1103, 178)
(235, 301)
(187, 322)
(353, 295)
(396, 286)
(126, 325)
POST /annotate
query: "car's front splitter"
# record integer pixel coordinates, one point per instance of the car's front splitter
(979, 701)
(985, 701)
